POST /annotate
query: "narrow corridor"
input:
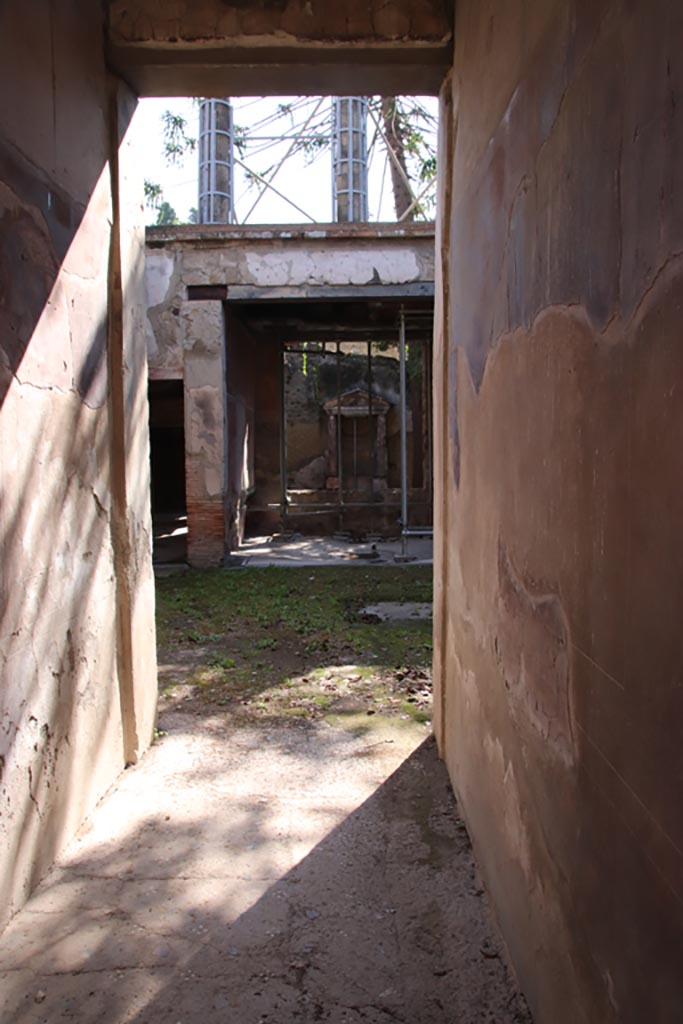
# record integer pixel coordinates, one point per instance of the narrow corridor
(260, 867)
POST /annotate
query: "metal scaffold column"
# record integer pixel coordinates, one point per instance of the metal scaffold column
(404, 430)
(350, 158)
(216, 163)
(284, 500)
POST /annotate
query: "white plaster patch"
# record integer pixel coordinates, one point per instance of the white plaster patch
(213, 481)
(150, 338)
(158, 273)
(332, 266)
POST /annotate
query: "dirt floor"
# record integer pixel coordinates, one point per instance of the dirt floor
(290, 848)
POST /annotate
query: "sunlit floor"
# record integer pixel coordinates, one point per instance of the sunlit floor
(316, 876)
(170, 539)
(290, 849)
(296, 549)
(170, 548)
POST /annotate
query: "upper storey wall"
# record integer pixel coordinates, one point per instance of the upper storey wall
(274, 262)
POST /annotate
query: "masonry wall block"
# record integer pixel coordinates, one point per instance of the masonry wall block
(559, 501)
(205, 432)
(77, 691)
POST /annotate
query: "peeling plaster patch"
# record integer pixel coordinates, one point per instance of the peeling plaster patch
(532, 651)
(213, 481)
(609, 987)
(513, 823)
(470, 691)
(158, 273)
(204, 439)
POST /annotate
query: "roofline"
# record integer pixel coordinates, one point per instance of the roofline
(202, 234)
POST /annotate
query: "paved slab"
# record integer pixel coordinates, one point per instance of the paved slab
(295, 549)
(262, 876)
(398, 611)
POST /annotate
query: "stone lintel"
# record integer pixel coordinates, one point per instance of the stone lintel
(179, 73)
(262, 293)
(196, 235)
(208, 48)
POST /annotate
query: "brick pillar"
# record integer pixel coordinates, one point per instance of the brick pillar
(205, 433)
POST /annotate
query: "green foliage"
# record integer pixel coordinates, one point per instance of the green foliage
(414, 125)
(239, 138)
(313, 145)
(166, 214)
(428, 169)
(253, 180)
(214, 628)
(285, 109)
(153, 194)
(177, 142)
(199, 604)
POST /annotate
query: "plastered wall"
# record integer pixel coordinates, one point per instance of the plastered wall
(77, 683)
(204, 388)
(559, 585)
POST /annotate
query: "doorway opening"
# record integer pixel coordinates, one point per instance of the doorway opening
(167, 465)
(314, 418)
(341, 405)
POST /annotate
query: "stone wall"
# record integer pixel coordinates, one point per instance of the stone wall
(205, 433)
(77, 693)
(560, 494)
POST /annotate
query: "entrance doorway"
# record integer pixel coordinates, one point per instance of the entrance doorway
(167, 463)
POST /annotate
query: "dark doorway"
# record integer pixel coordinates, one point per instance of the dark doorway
(167, 457)
(327, 401)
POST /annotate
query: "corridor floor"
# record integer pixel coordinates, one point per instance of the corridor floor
(267, 871)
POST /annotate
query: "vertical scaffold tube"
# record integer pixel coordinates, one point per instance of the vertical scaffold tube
(340, 469)
(216, 163)
(404, 431)
(283, 438)
(350, 158)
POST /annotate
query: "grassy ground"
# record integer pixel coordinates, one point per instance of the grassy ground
(291, 643)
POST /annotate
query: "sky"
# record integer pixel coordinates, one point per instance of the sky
(309, 186)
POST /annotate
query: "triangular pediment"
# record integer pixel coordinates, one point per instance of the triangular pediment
(356, 402)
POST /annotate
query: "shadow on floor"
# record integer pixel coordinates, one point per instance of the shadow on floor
(169, 533)
(212, 911)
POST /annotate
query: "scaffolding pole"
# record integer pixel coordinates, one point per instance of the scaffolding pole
(371, 437)
(283, 440)
(404, 432)
(340, 470)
